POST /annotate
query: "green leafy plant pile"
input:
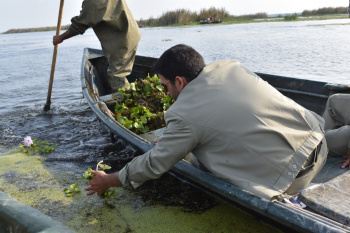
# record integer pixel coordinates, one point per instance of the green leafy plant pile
(142, 107)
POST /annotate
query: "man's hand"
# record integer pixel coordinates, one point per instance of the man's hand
(57, 40)
(102, 182)
(347, 161)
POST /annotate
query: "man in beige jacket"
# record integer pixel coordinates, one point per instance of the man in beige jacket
(240, 128)
(117, 31)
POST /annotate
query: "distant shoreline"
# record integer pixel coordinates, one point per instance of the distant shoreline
(38, 29)
(269, 19)
(228, 21)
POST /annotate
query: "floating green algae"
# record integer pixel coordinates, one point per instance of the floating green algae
(163, 205)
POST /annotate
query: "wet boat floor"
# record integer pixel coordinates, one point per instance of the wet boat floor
(329, 192)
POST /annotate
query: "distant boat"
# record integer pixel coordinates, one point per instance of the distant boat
(205, 21)
(321, 215)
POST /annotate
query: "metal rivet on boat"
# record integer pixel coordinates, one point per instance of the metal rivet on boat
(132, 182)
(294, 166)
(289, 173)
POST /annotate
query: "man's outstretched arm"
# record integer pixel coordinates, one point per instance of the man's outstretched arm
(59, 39)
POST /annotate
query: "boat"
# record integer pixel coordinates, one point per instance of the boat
(205, 21)
(18, 217)
(321, 213)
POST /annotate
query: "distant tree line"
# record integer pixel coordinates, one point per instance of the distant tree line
(183, 16)
(326, 11)
(291, 17)
(41, 29)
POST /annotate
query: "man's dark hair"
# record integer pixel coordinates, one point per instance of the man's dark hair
(180, 60)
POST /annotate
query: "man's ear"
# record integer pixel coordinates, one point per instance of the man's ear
(180, 82)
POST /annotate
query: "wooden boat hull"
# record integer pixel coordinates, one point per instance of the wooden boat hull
(310, 94)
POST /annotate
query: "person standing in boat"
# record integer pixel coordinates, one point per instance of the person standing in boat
(117, 31)
(236, 126)
(337, 126)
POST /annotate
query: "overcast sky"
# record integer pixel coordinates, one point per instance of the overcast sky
(41, 13)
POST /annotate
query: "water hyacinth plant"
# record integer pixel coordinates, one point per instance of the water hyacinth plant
(35, 146)
(142, 107)
(87, 175)
(74, 188)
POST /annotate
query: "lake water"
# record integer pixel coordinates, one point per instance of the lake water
(317, 50)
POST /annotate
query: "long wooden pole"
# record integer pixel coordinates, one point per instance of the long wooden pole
(58, 29)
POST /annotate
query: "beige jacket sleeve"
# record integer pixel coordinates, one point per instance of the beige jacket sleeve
(177, 141)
